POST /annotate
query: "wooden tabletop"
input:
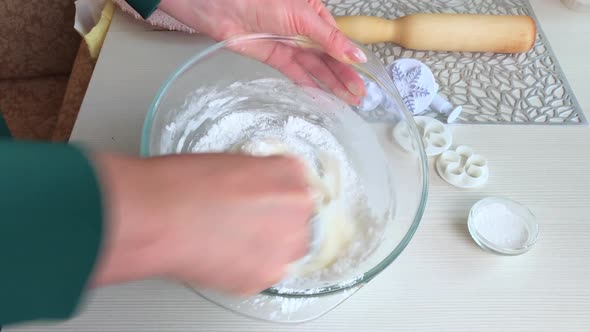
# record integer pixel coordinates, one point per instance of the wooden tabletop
(443, 281)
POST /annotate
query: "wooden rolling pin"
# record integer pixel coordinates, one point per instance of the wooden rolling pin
(445, 32)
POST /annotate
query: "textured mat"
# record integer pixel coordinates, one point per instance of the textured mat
(527, 88)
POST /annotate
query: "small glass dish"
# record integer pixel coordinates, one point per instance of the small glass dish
(503, 226)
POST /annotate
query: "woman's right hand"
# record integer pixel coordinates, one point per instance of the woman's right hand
(228, 222)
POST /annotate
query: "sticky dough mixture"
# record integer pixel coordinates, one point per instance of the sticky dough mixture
(344, 234)
(333, 225)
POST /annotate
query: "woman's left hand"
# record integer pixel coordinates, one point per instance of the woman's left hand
(222, 19)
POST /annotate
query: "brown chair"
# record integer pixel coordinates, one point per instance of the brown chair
(38, 50)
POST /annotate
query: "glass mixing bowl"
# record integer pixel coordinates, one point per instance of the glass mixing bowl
(238, 78)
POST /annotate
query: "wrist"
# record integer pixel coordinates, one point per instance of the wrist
(130, 229)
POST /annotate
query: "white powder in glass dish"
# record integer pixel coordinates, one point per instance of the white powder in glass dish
(501, 226)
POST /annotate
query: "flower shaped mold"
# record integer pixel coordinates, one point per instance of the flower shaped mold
(436, 137)
(463, 168)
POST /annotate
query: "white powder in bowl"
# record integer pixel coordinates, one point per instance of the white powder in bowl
(501, 226)
(253, 116)
(303, 139)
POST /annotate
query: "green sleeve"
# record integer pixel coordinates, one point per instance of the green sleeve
(4, 132)
(145, 8)
(50, 229)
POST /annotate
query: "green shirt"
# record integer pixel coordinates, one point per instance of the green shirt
(51, 220)
(50, 228)
(145, 8)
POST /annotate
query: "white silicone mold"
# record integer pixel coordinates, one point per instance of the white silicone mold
(374, 96)
(463, 168)
(443, 106)
(435, 135)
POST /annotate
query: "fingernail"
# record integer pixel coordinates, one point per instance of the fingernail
(356, 101)
(356, 55)
(344, 95)
(356, 89)
(347, 97)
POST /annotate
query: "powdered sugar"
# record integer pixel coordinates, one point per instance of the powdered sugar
(271, 114)
(502, 227)
(260, 131)
(303, 139)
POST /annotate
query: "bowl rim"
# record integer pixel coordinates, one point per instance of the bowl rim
(387, 86)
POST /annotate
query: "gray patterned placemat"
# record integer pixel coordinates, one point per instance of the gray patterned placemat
(528, 88)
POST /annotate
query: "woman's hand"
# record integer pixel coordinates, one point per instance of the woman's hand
(228, 222)
(222, 19)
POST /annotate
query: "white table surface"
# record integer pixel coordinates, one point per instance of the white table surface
(443, 281)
